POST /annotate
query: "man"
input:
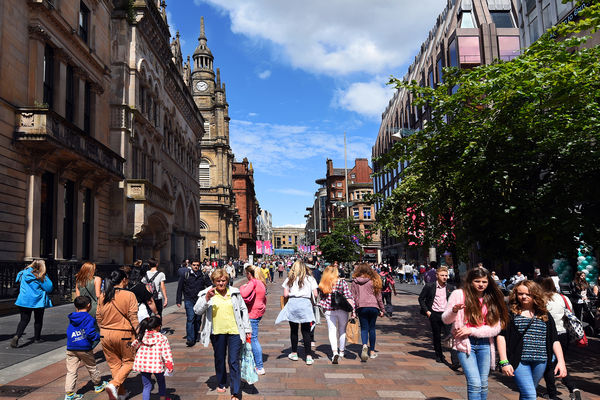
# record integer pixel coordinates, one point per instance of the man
(433, 299)
(190, 284)
(516, 279)
(185, 267)
(230, 269)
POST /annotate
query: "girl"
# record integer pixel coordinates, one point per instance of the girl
(529, 340)
(337, 319)
(255, 296)
(153, 356)
(299, 287)
(477, 313)
(34, 289)
(366, 292)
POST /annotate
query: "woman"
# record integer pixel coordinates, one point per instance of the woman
(135, 276)
(34, 289)
(226, 326)
(118, 321)
(157, 279)
(366, 292)
(477, 313)
(580, 294)
(337, 319)
(529, 340)
(280, 268)
(557, 304)
(255, 296)
(299, 288)
(87, 284)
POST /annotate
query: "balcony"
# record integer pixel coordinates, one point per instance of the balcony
(143, 190)
(43, 130)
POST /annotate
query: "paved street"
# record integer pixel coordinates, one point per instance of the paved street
(404, 369)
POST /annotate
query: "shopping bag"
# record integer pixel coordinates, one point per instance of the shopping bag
(573, 324)
(353, 331)
(247, 367)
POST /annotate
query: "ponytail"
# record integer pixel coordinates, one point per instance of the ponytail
(148, 324)
(115, 278)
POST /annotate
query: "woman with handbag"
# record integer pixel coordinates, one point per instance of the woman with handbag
(337, 303)
(34, 289)
(88, 284)
(255, 295)
(557, 306)
(299, 288)
(529, 341)
(477, 312)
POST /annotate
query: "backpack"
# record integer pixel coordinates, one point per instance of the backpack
(385, 283)
(151, 287)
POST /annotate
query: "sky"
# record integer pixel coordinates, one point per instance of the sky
(298, 75)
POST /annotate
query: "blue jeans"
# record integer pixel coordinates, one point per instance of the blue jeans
(256, 348)
(147, 382)
(192, 324)
(527, 377)
(367, 317)
(221, 343)
(476, 367)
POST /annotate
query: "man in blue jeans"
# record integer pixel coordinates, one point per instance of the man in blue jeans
(190, 284)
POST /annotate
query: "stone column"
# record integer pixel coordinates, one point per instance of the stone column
(79, 96)
(78, 220)
(94, 224)
(32, 225)
(60, 217)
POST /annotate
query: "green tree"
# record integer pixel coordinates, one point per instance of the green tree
(508, 159)
(344, 242)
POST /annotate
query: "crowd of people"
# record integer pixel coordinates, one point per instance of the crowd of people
(523, 322)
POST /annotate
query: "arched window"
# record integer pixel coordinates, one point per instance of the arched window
(204, 173)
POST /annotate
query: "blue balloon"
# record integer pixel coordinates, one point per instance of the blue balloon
(584, 263)
(589, 258)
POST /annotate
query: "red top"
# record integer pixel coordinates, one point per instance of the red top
(483, 314)
(254, 294)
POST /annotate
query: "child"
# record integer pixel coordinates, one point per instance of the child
(153, 356)
(81, 339)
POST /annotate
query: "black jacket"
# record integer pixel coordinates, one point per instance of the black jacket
(190, 284)
(427, 296)
(514, 342)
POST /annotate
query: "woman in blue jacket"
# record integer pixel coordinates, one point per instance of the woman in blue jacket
(33, 297)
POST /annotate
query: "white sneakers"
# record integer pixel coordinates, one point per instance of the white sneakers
(111, 390)
(260, 371)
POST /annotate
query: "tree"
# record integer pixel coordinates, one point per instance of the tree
(509, 153)
(344, 242)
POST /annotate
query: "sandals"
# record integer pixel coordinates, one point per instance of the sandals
(221, 390)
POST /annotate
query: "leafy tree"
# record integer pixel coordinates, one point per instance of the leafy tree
(344, 242)
(508, 159)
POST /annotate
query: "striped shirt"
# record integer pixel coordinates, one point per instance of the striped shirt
(534, 341)
(340, 287)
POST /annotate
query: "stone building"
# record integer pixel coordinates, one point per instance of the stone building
(287, 237)
(316, 218)
(466, 34)
(264, 226)
(247, 207)
(156, 125)
(218, 215)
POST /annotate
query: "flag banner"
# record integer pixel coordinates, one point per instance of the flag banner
(312, 248)
(268, 247)
(259, 247)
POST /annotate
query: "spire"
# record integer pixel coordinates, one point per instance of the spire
(202, 48)
(218, 78)
(202, 34)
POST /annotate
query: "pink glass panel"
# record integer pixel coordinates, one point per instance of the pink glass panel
(508, 47)
(468, 50)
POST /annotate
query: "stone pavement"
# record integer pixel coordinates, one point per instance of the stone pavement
(404, 369)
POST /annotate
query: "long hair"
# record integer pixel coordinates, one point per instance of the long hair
(328, 279)
(537, 297)
(580, 282)
(38, 268)
(147, 324)
(116, 277)
(297, 272)
(256, 273)
(364, 270)
(548, 288)
(85, 274)
(492, 298)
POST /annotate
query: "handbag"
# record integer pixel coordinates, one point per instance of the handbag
(573, 324)
(352, 331)
(340, 302)
(247, 367)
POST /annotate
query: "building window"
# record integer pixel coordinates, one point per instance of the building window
(339, 194)
(86, 231)
(431, 81)
(142, 99)
(87, 109)
(546, 17)
(466, 20)
(468, 50)
(452, 54)
(356, 213)
(508, 47)
(353, 176)
(204, 174)
(339, 184)
(48, 76)
(530, 5)
(70, 95)
(534, 31)
(367, 213)
(440, 70)
(563, 8)
(206, 130)
(84, 22)
(68, 219)
(290, 239)
(502, 19)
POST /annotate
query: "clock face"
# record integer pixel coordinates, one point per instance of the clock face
(201, 86)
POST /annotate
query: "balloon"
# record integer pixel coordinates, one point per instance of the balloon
(584, 263)
(580, 267)
(590, 268)
(585, 271)
(589, 258)
(580, 258)
(588, 279)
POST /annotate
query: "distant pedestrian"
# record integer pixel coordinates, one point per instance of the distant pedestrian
(280, 268)
(34, 288)
(153, 356)
(271, 271)
(157, 279)
(366, 291)
(230, 269)
(145, 300)
(82, 337)
(189, 285)
(388, 286)
(255, 295)
(431, 273)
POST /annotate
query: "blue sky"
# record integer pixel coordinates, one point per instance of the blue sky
(298, 75)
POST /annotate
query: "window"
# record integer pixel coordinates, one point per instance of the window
(508, 47)
(502, 19)
(440, 72)
(356, 213)
(206, 130)
(142, 99)
(70, 95)
(546, 17)
(452, 54)
(87, 107)
(339, 184)
(367, 213)
(468, 50)
(530, 5)
(48, 76)
(86, 231)
(290, 239)
(84, 22)
(563, 9)
(353, 176)
(204, 174)
(339, 194)
(534, 31)
(466, 20)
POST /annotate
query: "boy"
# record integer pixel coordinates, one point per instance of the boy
(81, 339)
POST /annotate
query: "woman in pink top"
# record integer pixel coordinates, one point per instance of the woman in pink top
(477, 313)
(254, 294)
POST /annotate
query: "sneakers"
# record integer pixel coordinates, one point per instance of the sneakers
(293, 356)
(335, 358)
(111, 390)
(341, 354)
(575, 395)
(14, 343)
(364, 354)
(100, 388)
(260, 371)
(73, 396)
(313, 345)
(373, 355)
(309, 360)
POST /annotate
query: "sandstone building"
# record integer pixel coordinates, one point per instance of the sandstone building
(247, 207)
(287, 237)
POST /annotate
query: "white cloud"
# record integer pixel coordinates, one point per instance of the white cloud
(336, 37)
(293, 192)
(365, 98)
(252, 114)
(173, 28)
(265, 74)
